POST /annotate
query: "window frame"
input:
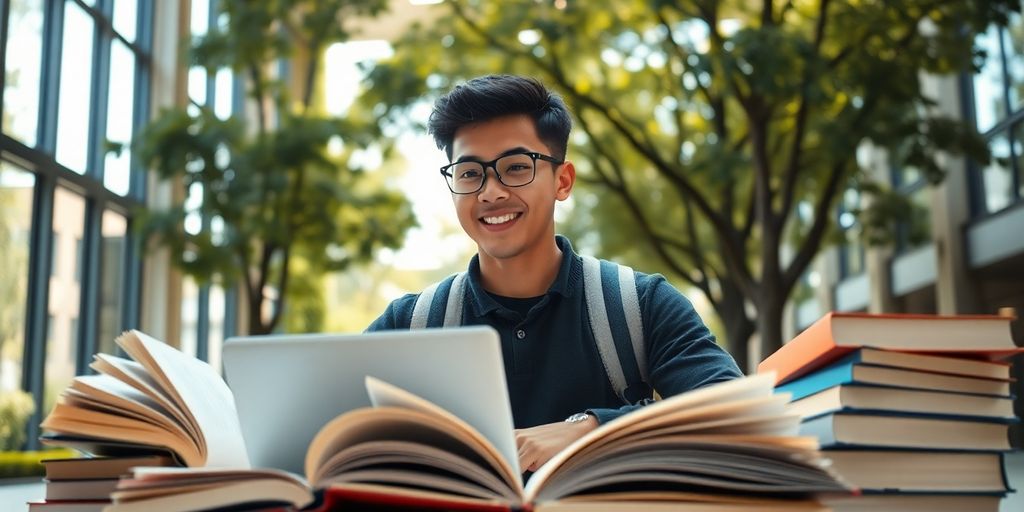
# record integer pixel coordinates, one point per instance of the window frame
(1012, 123)
(40, 160)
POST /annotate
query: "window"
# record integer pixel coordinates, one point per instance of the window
(851, 250)
(998, 108)
(208, 310)
(16, 202)
(915, 230)
(22, 70)
(75, 79)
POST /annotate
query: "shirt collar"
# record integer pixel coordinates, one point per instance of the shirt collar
(566, 283)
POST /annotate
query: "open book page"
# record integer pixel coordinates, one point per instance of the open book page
(405, 447)
(360, 463)
(384, 394)
(134, 374)
(654, 445)
(676, 502)
(104, 390)
(80, 400)
(171, 489)
(199, 391)
(93, 424)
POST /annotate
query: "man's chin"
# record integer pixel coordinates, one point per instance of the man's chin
(499, 249)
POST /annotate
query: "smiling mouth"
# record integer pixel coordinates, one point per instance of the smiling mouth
(500, 219)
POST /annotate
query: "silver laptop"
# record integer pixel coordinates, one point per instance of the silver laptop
(287, 387)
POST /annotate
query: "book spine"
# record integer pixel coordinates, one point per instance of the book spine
(840, 373)
(820, 427)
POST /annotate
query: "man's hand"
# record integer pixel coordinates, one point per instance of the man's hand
(538, 444)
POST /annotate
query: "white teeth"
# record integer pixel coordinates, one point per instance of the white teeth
(500, 220)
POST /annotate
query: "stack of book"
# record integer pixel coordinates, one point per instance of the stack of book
(85, 484)
(912, 409)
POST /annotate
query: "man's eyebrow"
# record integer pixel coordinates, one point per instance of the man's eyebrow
(475, 158)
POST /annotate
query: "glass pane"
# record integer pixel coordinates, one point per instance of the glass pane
(15, 227)
(225, 94)
(197, 85)
(920, 218)
(200, 19)
(112, 251)
(1013, 44)
(997, 182)
(989, 105)
(120, 103)
(21, 75)
(215, 336)
(62, 344)
(75, 89)
(189, 315)
(125, 17)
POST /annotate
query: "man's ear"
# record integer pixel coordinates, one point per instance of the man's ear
(565, 179)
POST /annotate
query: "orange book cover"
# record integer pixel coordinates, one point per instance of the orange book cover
(837, 334)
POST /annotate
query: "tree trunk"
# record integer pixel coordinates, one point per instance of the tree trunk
(769, 323)
(738, 327)
(256, 325)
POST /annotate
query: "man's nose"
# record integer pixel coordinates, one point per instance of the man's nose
(493, 189)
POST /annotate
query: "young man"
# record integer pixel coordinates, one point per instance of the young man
(506, 137)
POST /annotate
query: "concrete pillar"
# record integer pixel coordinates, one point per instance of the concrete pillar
(955, 291)
(161, 281)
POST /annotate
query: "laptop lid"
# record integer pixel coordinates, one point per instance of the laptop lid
(287, 387)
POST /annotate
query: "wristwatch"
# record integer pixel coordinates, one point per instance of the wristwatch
(578, 417)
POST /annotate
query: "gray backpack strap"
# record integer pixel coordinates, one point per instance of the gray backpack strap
(614, 308)
(634, 320)
(456, 295)
(440, 304)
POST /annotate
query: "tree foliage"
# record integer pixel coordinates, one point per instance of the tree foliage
(718, 133)
(276, 202)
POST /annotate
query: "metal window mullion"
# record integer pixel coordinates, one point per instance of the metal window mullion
(203, 323)
(5, 15)
(141, 109)
(230, 311)
(45, 163)
(89, 286)
(1010, 118)
(37, 300)
(131, 284)
(101, 42)
(49, 94)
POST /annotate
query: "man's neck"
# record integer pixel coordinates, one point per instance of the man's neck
(526, 275)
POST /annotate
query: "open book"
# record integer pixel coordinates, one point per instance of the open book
(729, 444)
(723, 447)
(164, 401)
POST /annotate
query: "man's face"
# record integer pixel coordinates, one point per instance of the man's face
(506, 222)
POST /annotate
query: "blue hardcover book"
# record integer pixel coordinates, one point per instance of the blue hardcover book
(850, 370)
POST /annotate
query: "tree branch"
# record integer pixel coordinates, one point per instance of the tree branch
(796, 150)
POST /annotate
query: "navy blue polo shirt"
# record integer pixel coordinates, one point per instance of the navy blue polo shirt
(552, 365)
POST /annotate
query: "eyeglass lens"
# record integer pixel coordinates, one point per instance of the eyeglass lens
(513, 171)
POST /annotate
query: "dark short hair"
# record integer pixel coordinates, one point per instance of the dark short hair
(493, 96)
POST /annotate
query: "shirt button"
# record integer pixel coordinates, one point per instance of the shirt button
(521, 334)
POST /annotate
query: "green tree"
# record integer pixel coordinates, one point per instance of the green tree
(286, 203)
(716, 136)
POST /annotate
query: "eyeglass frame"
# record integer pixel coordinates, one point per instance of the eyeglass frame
(493, 164)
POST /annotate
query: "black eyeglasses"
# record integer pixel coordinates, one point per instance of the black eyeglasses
(514, 170)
